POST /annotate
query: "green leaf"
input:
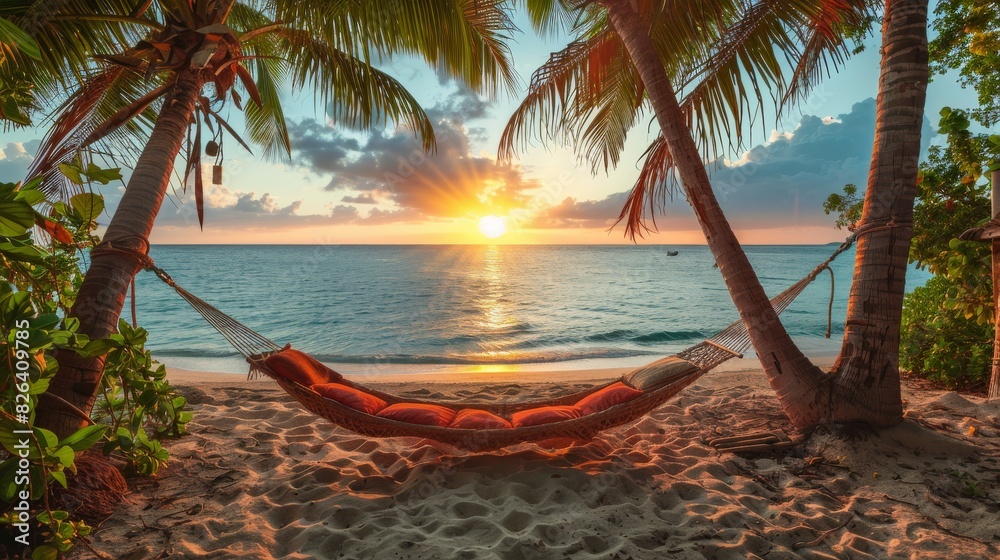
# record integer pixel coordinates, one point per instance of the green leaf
(71, 172)
(99, 347)
(45, 437)
(45, 322)
(65, 455)
(84, 437)
(12, 34)
(103, 176)
(87, 206)
(44, 552)
(26, 254)
(31, 196)
(16, 217)
(10, 441)
(71, 324)
(59, 476)
(147, 398)
(40, 386)
(11, 111)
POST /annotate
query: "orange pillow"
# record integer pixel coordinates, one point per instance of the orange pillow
(613, 394)
(428, 414)
(301, 368)
(472, 419)
(350, 397)
(544, 415)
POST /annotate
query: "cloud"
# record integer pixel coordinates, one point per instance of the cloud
(344, 214)
(365, 198)
(243, 210)
(246, 211)
(15, 159)
(378, 216)
(582, 214)
(389, 168)
(463, 105)
(781, 183)
(321, 148)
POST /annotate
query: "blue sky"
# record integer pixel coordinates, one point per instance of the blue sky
(334, 188)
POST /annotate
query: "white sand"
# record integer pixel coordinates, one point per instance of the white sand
(258, 477)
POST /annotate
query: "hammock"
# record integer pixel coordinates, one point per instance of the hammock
(658, 382)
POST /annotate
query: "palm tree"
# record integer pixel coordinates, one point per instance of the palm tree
(178, 62)
(628, 55)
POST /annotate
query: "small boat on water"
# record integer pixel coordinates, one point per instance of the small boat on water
(671, 253)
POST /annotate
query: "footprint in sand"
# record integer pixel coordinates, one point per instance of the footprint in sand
(466, 509)
(516, 521)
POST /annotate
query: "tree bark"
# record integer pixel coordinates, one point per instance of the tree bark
(102, 294)
(800, 385)
(867, 370)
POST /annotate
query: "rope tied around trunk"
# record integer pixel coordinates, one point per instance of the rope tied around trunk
(140, 255)
(880, 225)
(138, 252)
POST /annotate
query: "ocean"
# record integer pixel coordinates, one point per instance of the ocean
(371, 309)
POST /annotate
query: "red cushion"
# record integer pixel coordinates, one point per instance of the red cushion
(349, 396)
(472, 419)
(428, 414)
(301, 368)
(544, 415)
(613, 394)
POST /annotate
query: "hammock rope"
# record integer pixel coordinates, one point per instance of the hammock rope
(245, 340)
(729, 343)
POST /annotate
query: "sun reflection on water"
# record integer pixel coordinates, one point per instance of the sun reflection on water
(496, 316)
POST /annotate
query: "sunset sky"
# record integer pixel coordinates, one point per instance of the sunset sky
(334, 188)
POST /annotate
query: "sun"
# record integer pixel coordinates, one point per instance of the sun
(492, 226)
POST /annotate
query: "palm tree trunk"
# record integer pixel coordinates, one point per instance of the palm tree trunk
(800, 385)
(867, 370)
(102, 294)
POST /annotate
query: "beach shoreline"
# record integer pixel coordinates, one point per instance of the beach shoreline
(478, 374)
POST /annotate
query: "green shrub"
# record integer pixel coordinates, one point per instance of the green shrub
(137, 405)
(939, 344)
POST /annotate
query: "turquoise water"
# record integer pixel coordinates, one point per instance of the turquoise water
(421, 308)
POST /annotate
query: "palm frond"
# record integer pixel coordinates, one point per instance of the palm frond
(649, 194)
(265, 123)
(68, 38)
(353, 92)
(573, 85)
(549, 17)
(825, 45)
(95, 102)
(466, 39)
